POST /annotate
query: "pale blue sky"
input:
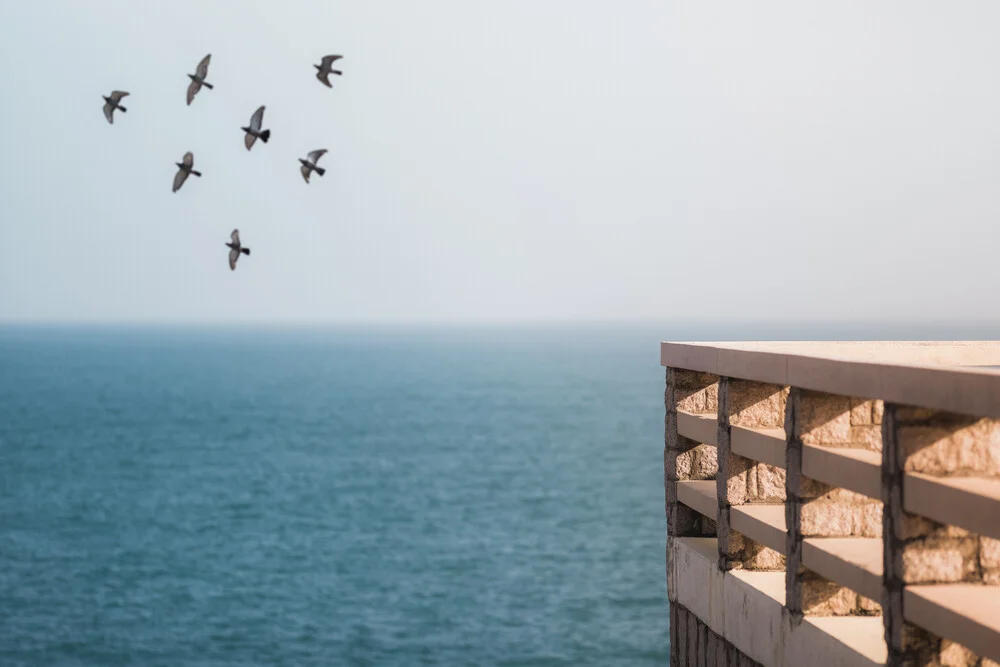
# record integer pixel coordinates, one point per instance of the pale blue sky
(528, 160)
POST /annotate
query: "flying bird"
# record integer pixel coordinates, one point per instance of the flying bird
(309, 166)
(235, 249)
(198, 79)
(325, 69)
(253, 130)
(112, 103)
(185, 166)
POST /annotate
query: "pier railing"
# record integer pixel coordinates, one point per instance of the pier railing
(833, 503)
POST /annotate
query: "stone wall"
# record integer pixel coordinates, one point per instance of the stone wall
(811, 523)
(693, 644)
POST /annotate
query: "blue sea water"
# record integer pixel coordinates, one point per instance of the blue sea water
(331, 497)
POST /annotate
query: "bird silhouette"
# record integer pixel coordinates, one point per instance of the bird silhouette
(309, 166)
(185, 169)
(235, 248)
(198, 79)
(324, 69)
(112, 103)
(253, 130)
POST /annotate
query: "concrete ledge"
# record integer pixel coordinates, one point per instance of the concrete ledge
(972, 503)
(858, 470)
(747, 609)
(702, 428)
(699, 495)
(761, 523)
(965, 613)
(932, 375)
(853, 562)
(766, 445)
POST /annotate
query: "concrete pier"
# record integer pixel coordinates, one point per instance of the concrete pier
(833, 503)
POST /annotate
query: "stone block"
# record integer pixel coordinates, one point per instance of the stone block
(756, 556)
(692, 639)
(866, 437)
(682, 521)
(861, 412)
(967, 447)
(692, 391)
(674, 660)
(700, 462)
(823, 418)
(754, 404)
(989, 552)
(769, 484)
(870, 520)
(733, 476)
(702, 652)
(956, 655)
(878, 410)
(868, 607)
(821, 597)
(941, 560)
(836, 519)
(911, 526)
(682, 633)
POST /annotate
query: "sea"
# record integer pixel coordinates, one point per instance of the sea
(224, 496)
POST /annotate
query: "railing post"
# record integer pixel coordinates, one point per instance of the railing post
(815, 509)
(741, 480)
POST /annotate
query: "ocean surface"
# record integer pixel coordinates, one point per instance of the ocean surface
(331, 497)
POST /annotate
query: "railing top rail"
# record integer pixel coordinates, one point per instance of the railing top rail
(946, 375)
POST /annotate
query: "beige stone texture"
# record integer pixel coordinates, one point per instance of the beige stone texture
(866, 437)
(736, 471)
(701, 462)
(823, 419)
(941, 560)
(861, 412)
(756, 556)
(839, 519)
(962, 448)
(821, 597)
(956, 655)
(911, 526)
(769, 484)
(989, 552)
(692, 391)
(753, 404)
(878, 411)
(869, 607)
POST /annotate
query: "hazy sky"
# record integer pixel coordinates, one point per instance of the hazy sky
(530, 160)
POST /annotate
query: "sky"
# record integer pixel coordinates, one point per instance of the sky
(533, 160)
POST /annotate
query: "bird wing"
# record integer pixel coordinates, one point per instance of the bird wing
(193, 89)
(305, 172)
(249, 140)
(329, 60)
(316, 155)
(235, 237)
(118, 95)
(179, 179)
(234, 255)
(202, 70)
(257, 119)
(188, 160)
(324, 77)
(108, 110)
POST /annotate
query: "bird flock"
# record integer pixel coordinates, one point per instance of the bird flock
(251, 133)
